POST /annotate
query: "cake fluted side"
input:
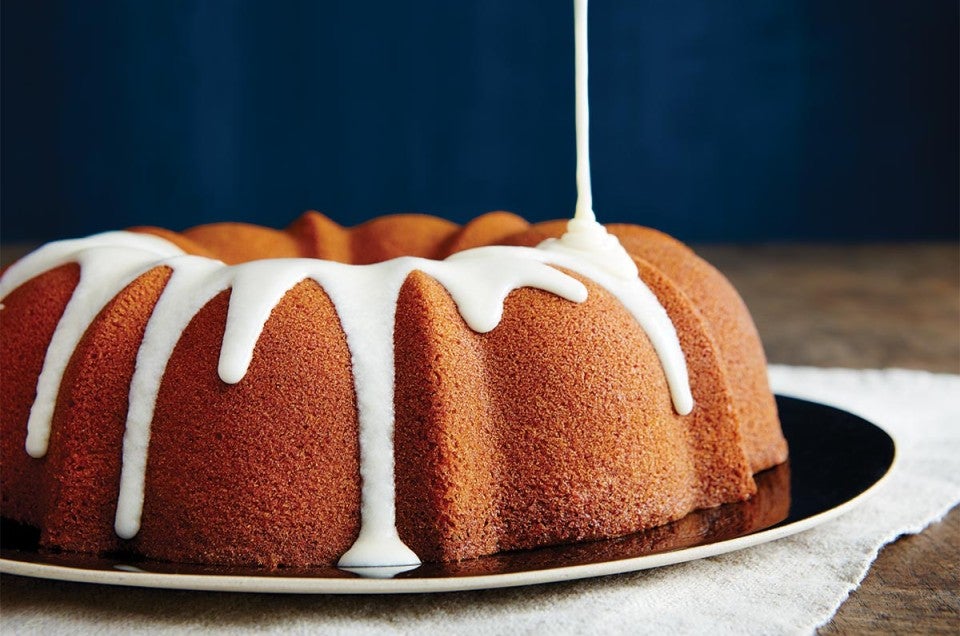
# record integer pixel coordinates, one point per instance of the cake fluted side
(725, 317)
(734, 332)
(27, 322)
(493, 450)
(272, 462)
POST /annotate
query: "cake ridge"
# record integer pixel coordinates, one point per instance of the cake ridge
(127, 257)
(477, 279)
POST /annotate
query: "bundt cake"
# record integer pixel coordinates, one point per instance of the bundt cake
(404, 390)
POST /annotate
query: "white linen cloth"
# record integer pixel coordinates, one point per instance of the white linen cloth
(787, 586)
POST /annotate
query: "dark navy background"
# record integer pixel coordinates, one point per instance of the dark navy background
(760, 120)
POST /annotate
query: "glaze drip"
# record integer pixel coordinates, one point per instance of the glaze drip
(108, 263)
(365, 298)
(585, 237)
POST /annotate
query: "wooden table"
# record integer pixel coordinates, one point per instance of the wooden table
(868, 306)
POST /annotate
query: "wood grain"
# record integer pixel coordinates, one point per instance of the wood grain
(865, 306)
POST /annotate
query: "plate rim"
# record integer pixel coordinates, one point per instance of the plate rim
(327, 585)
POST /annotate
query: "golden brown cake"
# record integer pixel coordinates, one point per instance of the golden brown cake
(177, 396)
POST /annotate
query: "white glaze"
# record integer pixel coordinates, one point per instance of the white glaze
(365, 299)
(108, 263)
(643, 305)
(585, 238)
(195, 280)
(584, 209)
(592, 251)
